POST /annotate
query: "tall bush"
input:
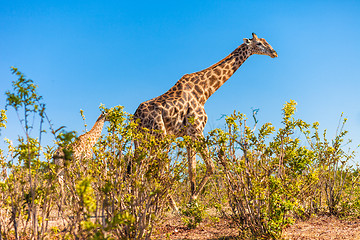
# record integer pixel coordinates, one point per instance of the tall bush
(266, 178)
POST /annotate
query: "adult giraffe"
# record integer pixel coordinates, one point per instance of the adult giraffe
(171, 112)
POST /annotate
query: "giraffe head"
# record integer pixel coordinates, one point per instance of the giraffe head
(260, 46)
(104, 116)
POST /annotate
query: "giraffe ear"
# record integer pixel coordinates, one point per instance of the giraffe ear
(247, 41)
(254, 36)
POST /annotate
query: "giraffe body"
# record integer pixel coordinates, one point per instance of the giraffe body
(171, 112)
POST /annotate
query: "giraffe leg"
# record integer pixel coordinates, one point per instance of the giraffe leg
(209, 171)
(129, 163)
(62, 191)
(192, 170)
(173, 205)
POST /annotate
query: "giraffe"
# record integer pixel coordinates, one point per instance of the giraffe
(171, 112)
(81, 148)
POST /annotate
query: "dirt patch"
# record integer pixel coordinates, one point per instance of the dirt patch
(173, 228)
(324, 228)
(319, 228)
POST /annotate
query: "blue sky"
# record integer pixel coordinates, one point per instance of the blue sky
(83, 53)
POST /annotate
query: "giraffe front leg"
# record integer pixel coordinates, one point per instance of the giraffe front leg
(192, 170)
(210, 167)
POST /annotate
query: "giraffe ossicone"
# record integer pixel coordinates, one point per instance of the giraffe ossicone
(171, 112)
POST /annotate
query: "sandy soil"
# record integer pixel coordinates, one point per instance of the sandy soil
(324, 227)
(319, 228)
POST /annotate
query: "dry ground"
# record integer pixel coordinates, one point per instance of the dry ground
(319, 228)
(324, 227)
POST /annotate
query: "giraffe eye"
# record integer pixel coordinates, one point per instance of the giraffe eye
(259, 44)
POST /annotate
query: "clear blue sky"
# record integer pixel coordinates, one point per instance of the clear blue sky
(83, 53)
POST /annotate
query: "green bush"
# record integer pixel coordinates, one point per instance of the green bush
(271, 180)
(267, 178)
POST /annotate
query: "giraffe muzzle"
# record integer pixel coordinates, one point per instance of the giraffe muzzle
(274, 54)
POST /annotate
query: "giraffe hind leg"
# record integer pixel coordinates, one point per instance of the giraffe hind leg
(192, 170)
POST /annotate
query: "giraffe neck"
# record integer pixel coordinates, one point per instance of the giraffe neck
(212, 78)
(93, 135)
